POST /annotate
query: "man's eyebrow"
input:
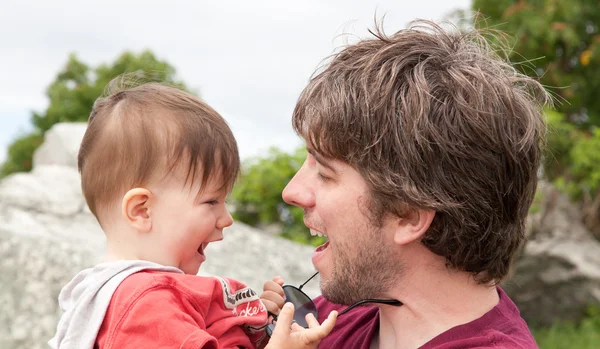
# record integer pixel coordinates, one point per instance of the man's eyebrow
(321, 160)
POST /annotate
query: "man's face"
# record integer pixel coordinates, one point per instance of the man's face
(358, 261)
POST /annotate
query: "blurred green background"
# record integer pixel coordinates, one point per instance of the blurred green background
(555, 41)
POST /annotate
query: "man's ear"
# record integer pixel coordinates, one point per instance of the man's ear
(136, 209)
(413, 226)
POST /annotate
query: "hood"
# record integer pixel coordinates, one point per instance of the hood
(85, 299)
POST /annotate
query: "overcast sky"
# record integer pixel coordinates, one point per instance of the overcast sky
(248, 59)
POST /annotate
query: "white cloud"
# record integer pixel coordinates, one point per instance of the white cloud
(248, 59)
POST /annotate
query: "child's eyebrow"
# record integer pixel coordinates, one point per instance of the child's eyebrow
(221, 191)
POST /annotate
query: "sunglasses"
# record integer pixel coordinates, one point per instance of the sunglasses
(304, 305)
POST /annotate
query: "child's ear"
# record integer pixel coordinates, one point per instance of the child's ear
(413, 227)
(136, 209)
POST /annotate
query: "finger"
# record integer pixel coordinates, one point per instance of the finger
(272, 286)
(315, 334)
(311, 320)
(273, 297)
(284, 322)
(329, 323)
(278, 280)
(272, 307)
(296, 327)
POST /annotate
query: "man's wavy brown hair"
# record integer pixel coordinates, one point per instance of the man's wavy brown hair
(435, 119)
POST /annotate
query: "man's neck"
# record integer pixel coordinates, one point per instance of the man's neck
(435, 300)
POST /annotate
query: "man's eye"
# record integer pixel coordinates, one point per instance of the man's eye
(322, 177)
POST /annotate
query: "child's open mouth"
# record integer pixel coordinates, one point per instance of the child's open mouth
(201, 252)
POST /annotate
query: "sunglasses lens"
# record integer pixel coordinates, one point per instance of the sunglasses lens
(302, 303)
(270, 329)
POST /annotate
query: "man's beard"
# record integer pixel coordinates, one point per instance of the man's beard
(366, 272)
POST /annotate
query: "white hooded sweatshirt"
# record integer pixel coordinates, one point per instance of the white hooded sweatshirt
(85, 299)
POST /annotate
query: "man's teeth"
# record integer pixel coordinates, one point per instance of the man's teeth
(316, 233)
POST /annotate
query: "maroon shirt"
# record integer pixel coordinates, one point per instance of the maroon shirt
(501, 327)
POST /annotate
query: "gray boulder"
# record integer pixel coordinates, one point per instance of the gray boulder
(47, 235)
(61, 144)
(557, 275)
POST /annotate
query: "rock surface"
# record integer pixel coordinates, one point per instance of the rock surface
(61, 144)
(557, 276)
(47, 235)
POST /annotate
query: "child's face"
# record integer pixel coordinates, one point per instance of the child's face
(183, 223)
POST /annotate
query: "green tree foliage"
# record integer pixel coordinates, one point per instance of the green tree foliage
(72, 95)
(573, 164)
(574, 156)
(257, 195)
(559, 43)
(555, 41)
(561, 40)
(585, 335)
(20, 153)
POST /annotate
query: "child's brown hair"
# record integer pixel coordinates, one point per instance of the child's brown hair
(140, 134)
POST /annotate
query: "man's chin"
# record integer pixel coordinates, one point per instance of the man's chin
(348, 291)
(336, 292)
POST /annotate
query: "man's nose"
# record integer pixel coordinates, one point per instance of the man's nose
(299, 191)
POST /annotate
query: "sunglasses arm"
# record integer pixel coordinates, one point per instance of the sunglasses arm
(305, 282)
(392, 302)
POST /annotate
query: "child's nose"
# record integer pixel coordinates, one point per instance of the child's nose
(225, 220)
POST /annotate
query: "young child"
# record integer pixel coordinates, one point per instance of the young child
(156, 167)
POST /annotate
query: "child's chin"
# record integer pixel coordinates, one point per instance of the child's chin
(190, 271)
(192, 268)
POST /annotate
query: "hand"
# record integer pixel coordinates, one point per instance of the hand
(273, 297)
(290, 336)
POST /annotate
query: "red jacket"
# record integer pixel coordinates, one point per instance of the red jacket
(167, 310)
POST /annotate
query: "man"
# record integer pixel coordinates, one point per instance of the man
(423, 150)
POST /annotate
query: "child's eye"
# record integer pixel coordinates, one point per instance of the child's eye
(212, 202)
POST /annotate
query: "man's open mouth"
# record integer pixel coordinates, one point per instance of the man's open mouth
(323, 247)
(316, 233)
